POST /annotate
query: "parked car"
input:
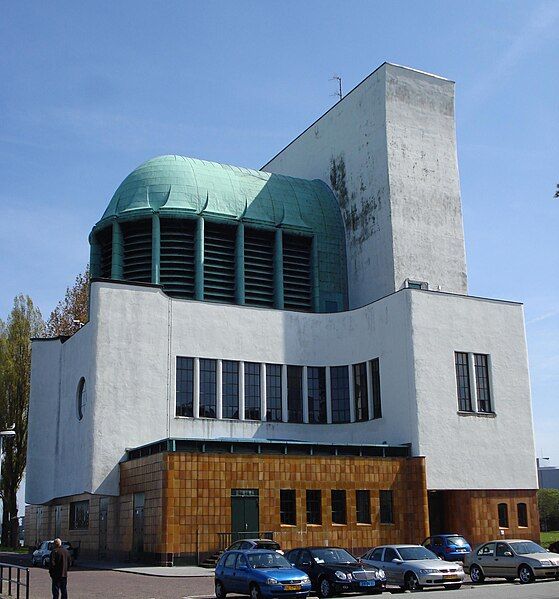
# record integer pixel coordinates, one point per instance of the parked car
(41, 555)
(511, 559)
(260, 573)
(413, 567)
(334, 570)
(554, 547)
(450, 547)
(255, 544)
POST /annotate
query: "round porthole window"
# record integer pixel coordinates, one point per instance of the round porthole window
(81, 398)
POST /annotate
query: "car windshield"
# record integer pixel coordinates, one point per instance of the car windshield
(525, 547)
(459, 541)
(272, 545)
(332, 556)
(414, 553)
(267, 560)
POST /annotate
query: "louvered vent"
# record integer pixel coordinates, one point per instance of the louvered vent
(177, 268)
(297, 272)
(219, 262)
(137, 251)
(105, 240)
(259, 267)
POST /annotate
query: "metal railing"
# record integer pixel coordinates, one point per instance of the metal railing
(14, 582)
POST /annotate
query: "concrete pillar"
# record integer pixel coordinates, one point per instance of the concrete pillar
(328, 396)
(263, 401)
(284, 410)
(196, 390)
(241, 390)
(155, 248)
(199, 260)
(278, 270)
(314, 276)
(240, 265)
(117, 252)
(305, 383)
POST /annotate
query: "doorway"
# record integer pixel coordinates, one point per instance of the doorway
(103, 518)
(245, 521)
(437, 520)
(138, 526)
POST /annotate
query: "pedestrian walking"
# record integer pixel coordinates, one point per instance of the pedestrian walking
(59, 565)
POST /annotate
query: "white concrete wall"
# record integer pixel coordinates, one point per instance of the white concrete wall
(394, 135)
(472, 451)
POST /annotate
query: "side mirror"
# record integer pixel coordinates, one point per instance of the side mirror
(308, 564)
(292, 564)
(508, 554)
(397, 561)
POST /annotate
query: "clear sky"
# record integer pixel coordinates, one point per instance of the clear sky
(89, 90)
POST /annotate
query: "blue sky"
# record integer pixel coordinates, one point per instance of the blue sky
(90, 90)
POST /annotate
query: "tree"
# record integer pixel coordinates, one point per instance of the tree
(548, 504)
(72, 311)
(23, 323)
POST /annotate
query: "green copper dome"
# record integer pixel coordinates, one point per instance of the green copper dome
(177, 189)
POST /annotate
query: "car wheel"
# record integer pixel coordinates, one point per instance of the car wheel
(324, 588)
(220, 591)
(525, 574)
(476, 574)
(254, 592)
(411, 582)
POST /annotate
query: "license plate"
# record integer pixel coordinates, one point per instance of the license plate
(367, 583)
(450, 577)
(292, 587)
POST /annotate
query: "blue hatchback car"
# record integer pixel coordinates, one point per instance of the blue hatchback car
(450, 547)
(262, 574)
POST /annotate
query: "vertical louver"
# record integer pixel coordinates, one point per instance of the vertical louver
(137, 251)
(177, 268)
(105, 240)
(297, 272)
(219, 262)
(259, 267)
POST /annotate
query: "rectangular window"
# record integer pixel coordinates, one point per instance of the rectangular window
(295, 393)
(288, 507)
(79, 515)
(522, 511)
(208, 388)
(185, 386)
(339, 515)
(363, 506)
(503, 513)
(252, 391)
(273, 392)
(463, 381)
(360, 392)
(386, 507)
(314, 507)
(339, 379)
(482, 383)
(230, 389)
(316, 378)
(375, 384)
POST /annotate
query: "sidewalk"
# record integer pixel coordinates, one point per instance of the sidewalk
(172, 572)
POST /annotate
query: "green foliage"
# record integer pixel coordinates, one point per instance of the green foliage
(72, 311)
(548, 505)
(546, 538)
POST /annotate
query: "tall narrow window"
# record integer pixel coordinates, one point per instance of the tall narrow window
(375, 384)
(259, 267)
(295, 393)
(386, 507)
(339, 514)
(288, 507)
(252, 391)
(360, 392)
(482, 383)
(522, 512)
(230, 389)
(208, 389)
(273, 392)
(136, 263)
(314, 507)
(297, 272)
(316, 377)
(219, 262)
(184, 386)
(79, 515)
(177, 256)
(340, 393)
(363, 506)
(463, 381)
(503, 513)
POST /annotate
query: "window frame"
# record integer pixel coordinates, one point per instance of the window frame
(341, 412)
(184, 386)
(207, 387)
(386, 510)
(523, 520)
(274, 381)
(288, 513)
(363, 506)
(463, 381)
(230, 389)
(253, 390)
(316, 394)
(503, 514)
(376, 390)
(483, 383)
(360, 392)
(313, 500)
(294, 393)
(338, 500)
(73, 520)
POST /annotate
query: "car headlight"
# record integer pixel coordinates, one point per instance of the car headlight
(341, 575)
(381, 574)
(545, 562)
(429, 571)
(271, 581)
(305, 580)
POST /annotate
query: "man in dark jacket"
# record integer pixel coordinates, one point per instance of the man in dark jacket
(60, 561)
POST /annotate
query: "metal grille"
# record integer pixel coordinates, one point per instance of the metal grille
(177, 257)
(219, 262)
(297, 272)
(137, 251)
(105, 240)
(364, 574)
(259, 267)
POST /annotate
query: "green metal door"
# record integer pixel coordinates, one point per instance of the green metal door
(244, 513)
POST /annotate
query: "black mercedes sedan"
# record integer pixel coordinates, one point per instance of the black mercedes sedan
(334, 570)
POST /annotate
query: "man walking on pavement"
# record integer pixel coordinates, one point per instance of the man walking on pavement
(60, 561)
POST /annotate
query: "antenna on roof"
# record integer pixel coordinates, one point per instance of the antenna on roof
(339, 92)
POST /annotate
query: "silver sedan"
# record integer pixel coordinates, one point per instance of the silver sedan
(413, 567)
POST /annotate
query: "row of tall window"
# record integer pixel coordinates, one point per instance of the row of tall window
(280, 391)
(521, 514)
(338, 503)
(476, 367)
